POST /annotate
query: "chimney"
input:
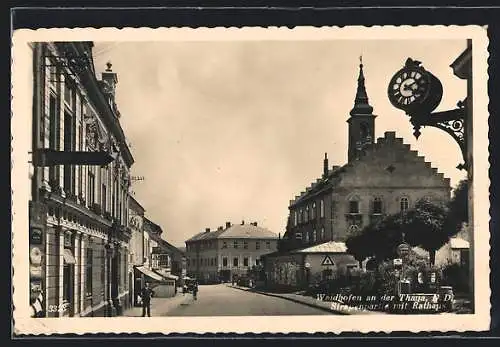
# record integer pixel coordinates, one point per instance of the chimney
(279, 236)
(325, 165)
(242, 222)
(219, 228)
(228, 225)
(207, 230)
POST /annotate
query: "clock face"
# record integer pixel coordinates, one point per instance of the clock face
(407, 87)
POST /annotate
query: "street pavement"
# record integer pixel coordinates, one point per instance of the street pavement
(222, 300)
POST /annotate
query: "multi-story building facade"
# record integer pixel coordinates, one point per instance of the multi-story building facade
(381, 177)
(221, 254)
(136, 249)
(79, 216)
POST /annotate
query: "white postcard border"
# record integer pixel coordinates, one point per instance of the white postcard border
(21, 134)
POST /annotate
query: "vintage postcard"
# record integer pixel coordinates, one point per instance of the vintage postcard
(265, 180)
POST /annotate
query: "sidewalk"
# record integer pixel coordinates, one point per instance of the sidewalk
(160, 306)
(330, 306)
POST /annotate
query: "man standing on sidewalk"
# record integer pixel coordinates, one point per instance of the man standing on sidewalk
(146, 295)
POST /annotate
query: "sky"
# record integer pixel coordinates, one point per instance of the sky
(233, 130)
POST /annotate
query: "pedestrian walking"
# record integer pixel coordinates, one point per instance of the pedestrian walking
(146, 295)
(195, 290)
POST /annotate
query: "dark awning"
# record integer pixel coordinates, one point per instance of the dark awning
(149, 273)
(68, 257)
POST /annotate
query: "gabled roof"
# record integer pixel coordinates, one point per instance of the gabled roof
(335, 174)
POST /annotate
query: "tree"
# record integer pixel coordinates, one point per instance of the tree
(424, 226)
(458, 208)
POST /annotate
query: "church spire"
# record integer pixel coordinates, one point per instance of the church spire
(361, 105)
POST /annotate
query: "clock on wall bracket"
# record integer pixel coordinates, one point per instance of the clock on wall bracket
(418, 92)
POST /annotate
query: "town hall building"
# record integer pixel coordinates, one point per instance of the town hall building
(382, 176)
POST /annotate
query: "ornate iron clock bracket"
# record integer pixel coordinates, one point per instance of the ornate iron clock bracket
(452, 122)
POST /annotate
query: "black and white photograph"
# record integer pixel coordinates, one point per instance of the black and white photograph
(250, 180)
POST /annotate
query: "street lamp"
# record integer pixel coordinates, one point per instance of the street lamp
(418, 92)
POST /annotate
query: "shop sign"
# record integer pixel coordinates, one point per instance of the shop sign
(36, 236)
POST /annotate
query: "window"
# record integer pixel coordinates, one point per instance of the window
(245, 261)
(306, 215)
(69, 145)
(322, 234)
(307, 237)
(235, 245)
(404, 203)
(224, 244)
(314, 235)
(187, 262)
(313, 211)
(245, 245)
(235, 262)
(257, 244)
(69, 94)
(224, 261)
(334, 210)
(353, 206)
(321, 209)
(53, 136)
(88, 272)
(377, 206)
(298, 236)
(103, 197)
(295, 218)
(268, 245)
(300, 216)
(90, 187)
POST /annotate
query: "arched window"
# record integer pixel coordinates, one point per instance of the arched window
(307, 237)
(306, 216)
(295, 218)
(322, 234)
(321, 209)
(404, 204)
(300, 216)
(313, 211)
(314, 235)
(377, 206)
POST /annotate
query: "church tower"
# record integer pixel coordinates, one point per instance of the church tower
(362, 120)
